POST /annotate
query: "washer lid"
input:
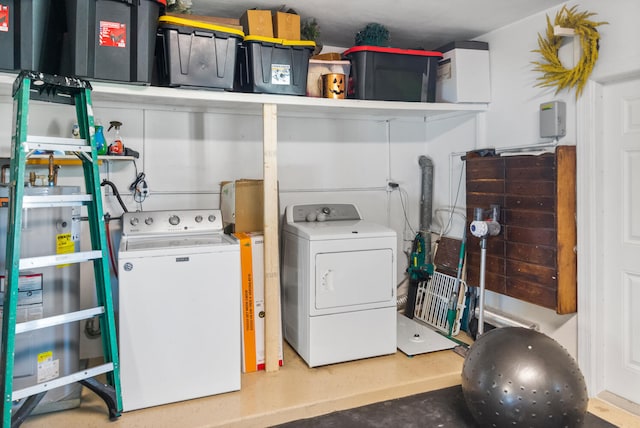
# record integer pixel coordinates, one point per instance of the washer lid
(177, 241)
(347, 229)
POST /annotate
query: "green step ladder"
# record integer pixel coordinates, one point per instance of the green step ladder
(30, 85)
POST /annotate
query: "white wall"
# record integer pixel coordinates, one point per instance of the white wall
(186, 153)
(512, 119)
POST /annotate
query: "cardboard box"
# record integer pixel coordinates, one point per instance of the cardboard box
(253, 310)
(286, 26)
(257, 23)
(242, 205)
(463, 73)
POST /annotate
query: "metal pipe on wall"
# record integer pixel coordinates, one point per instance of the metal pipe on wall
(426, 202)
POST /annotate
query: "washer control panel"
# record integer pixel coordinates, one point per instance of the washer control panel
(322, 212)
(177, 221)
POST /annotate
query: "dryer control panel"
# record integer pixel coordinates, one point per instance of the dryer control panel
(322, 212)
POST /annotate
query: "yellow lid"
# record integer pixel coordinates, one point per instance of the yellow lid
(285, 42)
(166, 19)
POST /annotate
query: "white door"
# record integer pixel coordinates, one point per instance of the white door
(620, 151)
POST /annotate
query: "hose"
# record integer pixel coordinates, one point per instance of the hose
(112, 257)
(106, 182)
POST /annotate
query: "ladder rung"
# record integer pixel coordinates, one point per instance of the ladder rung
(38, 324)
(59, 259)
(47, 201)
(61, 381)
(36, 142)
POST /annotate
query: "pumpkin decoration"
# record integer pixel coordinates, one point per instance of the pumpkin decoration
(333, 85)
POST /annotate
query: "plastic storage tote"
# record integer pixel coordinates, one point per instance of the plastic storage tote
(194, 53)
(392, 74)
(463, 73)
(30, 35)
(273, 66)
(111, 40)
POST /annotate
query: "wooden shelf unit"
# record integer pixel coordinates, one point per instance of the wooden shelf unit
(533, 259)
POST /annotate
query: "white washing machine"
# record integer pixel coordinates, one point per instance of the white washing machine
(338, 284)
(179, 307)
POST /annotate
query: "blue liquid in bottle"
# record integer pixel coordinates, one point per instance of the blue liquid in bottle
(101, 143)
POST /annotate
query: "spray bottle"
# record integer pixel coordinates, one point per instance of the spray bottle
(116, 147)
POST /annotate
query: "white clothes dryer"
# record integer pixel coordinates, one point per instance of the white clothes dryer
(338, 284)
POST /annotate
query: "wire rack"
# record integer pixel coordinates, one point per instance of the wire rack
(432, 302)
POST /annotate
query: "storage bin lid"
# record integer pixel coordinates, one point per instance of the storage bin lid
(285, 42)
(469, 44)
(329, 62)
(396, 51)
(182, 22)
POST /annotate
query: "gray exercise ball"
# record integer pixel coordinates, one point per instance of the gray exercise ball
(515, 376)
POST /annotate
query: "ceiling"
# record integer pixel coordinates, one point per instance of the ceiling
(426, 24)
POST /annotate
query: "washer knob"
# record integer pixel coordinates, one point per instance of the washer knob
(326, 210)
(134, 221)
(212, 218)
(148, 221)
(198, 219)
(174, 220)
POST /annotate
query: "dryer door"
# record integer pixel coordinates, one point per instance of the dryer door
(354, 280)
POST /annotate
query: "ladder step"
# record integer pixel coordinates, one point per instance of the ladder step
(38, 324)
(61, 381)
(47, 201)
(35, 142)
(59, 259)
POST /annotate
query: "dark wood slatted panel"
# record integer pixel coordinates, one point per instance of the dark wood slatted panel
(447, 256)
(533, 258)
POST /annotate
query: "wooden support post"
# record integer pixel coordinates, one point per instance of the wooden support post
(271, 253)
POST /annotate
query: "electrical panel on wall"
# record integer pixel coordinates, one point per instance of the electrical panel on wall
(553, 120)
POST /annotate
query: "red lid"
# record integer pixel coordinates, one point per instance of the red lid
(162, 2)
(391, 51)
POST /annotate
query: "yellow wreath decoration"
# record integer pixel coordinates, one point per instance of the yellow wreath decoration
(554, 73)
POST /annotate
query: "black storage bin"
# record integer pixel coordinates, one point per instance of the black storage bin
(194, 53)
(273, 66)
(30, 35)
(391, 74)
(111, 40)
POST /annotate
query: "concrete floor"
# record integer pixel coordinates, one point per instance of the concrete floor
(294, 392)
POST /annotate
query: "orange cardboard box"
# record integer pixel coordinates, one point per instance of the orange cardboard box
(257, 23)
(286, 26)
(242, 205)
(253, 310)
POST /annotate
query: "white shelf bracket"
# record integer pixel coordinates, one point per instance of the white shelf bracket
(570, 32)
